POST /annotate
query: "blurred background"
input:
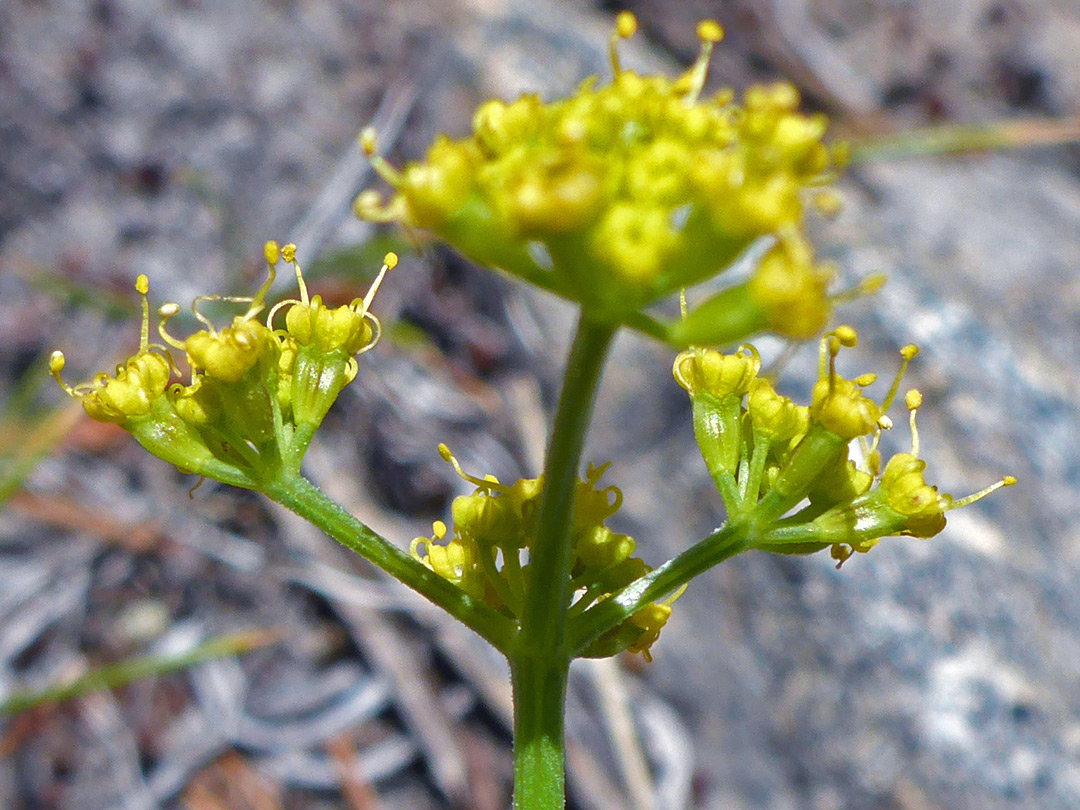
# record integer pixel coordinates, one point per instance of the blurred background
(260, 667)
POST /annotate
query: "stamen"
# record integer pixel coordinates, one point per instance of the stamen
(288, 253)
(142, 286)
(288, 302)
(376, 333)
(56, 365)
(1006, 481)
(390, 261)
(709, 33)
(482, 483)
(271, 252)
(368, 143)
(912, 401)
(202, 318)
(625, 27)
(166, 311)
(907, 354)
(868, 286)
(678, 592)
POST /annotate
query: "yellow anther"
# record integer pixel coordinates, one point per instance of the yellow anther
(142, 284)
(1008, 480)
(56, 362)
(390, 260)
(872, 283)
(846, 336)
(912, 399)
(288, 252)
(271, 252)
(864, 380)
(827, 203)
(625, 24)
(438, 530)
(445, 453)
(368, 140)
(909, 352)
(709, 31)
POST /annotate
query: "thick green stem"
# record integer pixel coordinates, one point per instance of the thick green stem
(309, 502)
(727, 541)
(547, 596)
(539, 707)
(539, 662)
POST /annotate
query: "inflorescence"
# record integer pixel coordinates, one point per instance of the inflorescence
(487, 552)
(628, 191)
(256, 393)
(769, 455)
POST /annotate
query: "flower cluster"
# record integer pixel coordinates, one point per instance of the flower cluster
(256, 393)
(769, 455)
(628, 191)
(487, 553)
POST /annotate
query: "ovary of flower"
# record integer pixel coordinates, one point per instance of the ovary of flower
(138, 382)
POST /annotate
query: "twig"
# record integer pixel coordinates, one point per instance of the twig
(963, 138)
(358, 793)
(139, 667)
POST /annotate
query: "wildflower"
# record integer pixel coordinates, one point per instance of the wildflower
(627, 191)
(256, 394)
(768, 454)
(486, 552)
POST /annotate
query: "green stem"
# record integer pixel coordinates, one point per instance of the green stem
(727, 541)
(305, 499)
(539, 708)
(547, 595)
(538, 662)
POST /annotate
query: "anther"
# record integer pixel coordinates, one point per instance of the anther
(271, 252)
(288, 253)
(709, 31)
(368, 140)
(846, 335)
(912, 401)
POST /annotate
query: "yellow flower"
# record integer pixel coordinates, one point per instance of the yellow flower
(626, 191)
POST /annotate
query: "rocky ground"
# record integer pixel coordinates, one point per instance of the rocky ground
(172, 137)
